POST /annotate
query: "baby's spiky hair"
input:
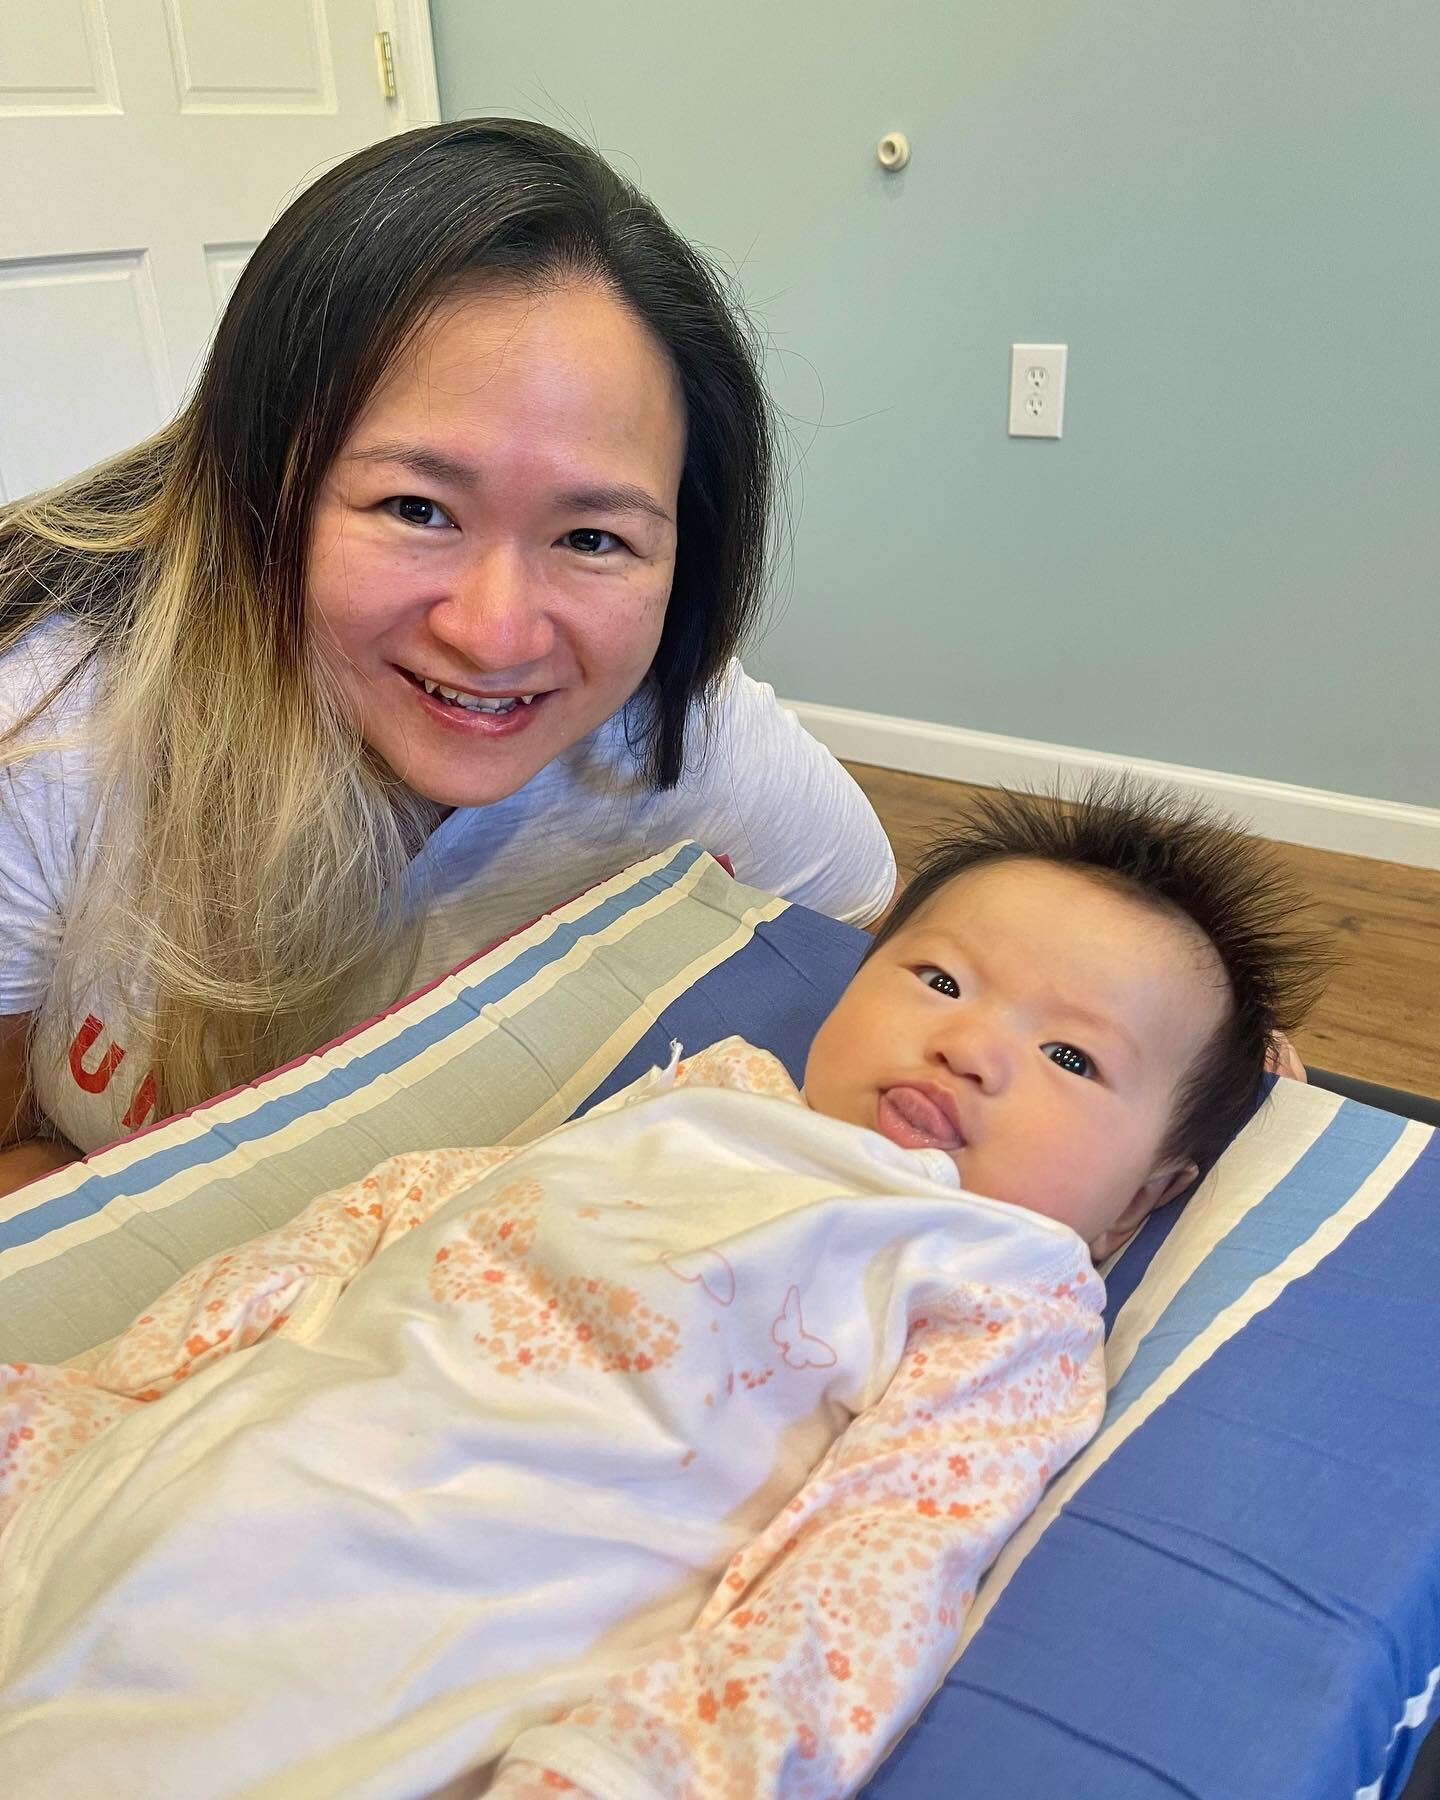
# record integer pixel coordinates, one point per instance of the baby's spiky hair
(1178, 855)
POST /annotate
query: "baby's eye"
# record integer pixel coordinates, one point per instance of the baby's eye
(590, 540)
(940, 981)
(414, 510)
(1068, 1057)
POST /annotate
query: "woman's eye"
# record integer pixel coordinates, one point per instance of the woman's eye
(415, 511)
(590, 540)
(941, 982)
(1068, 1057)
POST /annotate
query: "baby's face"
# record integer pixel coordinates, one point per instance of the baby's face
(1035, 1023)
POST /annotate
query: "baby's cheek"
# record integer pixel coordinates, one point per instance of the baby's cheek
(1054, 1172)
(1095, 1187)
(828, 1090)
(816, 1079)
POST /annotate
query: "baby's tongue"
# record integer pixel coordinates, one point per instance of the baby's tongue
(914, 1122)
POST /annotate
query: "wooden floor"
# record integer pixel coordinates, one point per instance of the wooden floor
(1380, 1017)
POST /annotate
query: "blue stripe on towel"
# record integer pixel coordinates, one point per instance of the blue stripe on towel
(801, 954)
(1336, 1165)
(273, 1115)
(1245, 1596)
(1128, 1273)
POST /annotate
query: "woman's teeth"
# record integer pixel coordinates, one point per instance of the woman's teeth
(474, 702)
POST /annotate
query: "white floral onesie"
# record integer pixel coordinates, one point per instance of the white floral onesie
(659, 1457)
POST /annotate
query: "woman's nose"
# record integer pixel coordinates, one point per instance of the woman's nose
(496, 615)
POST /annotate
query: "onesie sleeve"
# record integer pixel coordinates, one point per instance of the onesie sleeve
(226, 1303)
(776, 802)
(833, 1627)
(233, 1299)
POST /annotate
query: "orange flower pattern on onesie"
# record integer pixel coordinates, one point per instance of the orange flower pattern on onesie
(829, 1627)
(535, 1324)
(224, 1304)
(844, 1612)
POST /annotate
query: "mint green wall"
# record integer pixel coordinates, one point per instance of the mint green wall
(1228, 212)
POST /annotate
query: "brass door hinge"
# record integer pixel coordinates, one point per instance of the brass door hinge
(385, 62)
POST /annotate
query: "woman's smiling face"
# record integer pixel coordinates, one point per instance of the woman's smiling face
(501, 524)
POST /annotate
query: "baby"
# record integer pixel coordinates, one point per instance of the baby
(661, 1456)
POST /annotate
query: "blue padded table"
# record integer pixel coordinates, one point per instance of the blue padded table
(1232, 1594)
(1241, 1595)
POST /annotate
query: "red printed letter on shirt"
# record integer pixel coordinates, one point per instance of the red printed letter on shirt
(96, 1080)
(142, 1105)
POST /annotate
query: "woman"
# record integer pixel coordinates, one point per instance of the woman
(419, 618)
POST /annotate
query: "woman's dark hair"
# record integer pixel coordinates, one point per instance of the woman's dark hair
(1181, 857)
(355, 265)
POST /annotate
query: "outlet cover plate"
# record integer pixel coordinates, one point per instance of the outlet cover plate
(1037, 390)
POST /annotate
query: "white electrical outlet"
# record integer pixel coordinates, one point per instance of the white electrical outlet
(1037, 390)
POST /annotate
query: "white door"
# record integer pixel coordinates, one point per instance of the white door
(145, 147)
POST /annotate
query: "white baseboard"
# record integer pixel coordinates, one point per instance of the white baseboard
(1386, 829)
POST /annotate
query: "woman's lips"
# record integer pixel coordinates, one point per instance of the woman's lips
(919, 1117)
(476, 724)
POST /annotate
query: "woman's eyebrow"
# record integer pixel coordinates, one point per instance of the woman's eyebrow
(620, 497)
(608, 497)
(424, 462)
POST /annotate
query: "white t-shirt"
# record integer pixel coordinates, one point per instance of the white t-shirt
(757, 788)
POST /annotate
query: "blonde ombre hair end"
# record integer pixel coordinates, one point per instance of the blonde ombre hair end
(241, 899)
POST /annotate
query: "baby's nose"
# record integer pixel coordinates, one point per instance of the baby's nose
(975, 1051)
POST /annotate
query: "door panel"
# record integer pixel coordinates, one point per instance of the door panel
(146, 146)
(56, 59)
(224, 263)
(272, 56)
(61, 315)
